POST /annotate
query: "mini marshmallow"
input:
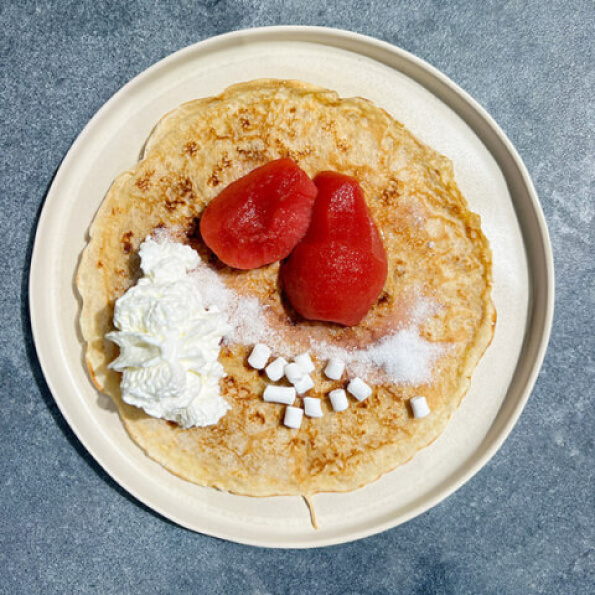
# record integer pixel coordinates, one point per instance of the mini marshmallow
(259, 357)
(293, 417)
(276, 369)
(334, 369)
(304, 384)
(294, 373)
(419, 406)
(359, 389)
(339, 399)
(312, 407)
(304, 361)
(279, 394)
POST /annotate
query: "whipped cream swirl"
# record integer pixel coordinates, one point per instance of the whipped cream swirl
(169, 342)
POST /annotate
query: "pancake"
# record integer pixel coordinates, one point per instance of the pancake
(436, 251)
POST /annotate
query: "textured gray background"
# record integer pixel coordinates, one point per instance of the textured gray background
(524, 524)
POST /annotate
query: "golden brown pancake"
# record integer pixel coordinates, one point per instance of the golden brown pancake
(436, 251)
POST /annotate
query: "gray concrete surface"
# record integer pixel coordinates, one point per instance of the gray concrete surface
(524, 524)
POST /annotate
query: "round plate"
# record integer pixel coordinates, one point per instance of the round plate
(490, 174)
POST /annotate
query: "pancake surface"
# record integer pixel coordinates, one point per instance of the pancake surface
(436, 253)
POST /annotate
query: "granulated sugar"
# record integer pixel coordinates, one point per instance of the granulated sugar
(403, 357)
(245, 314)
(249, 323)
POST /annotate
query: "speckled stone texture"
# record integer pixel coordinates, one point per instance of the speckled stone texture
(524, 524)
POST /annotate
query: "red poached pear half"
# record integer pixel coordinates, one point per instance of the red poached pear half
(339, 268)
(260, 218)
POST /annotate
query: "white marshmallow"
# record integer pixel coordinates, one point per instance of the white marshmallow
(339, 399)
(259, 357)
(294, 373)
(419, 406)
(276, 369)
(304, 384)
(334, 369)
(359, 389)
(279, 394)
(312, 407)
(293, 417)
(304, 361)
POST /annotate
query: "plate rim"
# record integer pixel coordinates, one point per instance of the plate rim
(345, 40)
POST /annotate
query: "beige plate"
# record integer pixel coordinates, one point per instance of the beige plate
(490, 174)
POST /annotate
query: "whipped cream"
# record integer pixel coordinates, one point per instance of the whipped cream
(169, 342)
